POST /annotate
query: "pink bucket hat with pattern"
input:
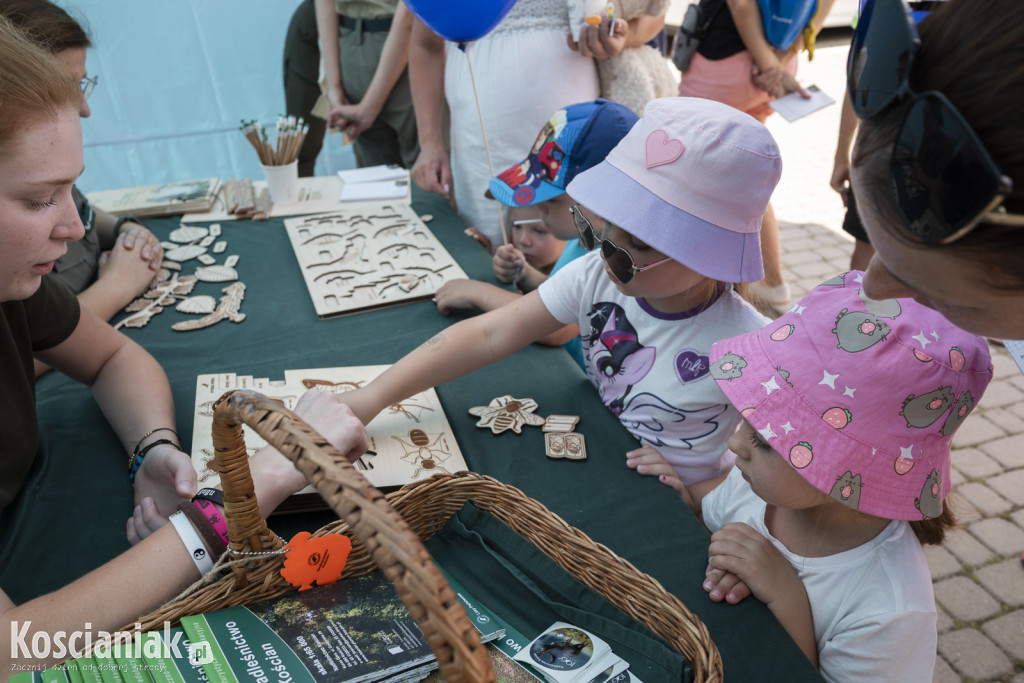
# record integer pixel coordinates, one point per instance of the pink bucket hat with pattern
(861, 397)
(692, 179)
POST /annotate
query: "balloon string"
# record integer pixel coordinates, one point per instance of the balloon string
(487, 147)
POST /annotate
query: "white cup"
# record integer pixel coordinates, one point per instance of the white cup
(283, 182)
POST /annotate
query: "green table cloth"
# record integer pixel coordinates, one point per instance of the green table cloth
(71, 515)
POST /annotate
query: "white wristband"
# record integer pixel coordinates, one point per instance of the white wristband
(193, 543)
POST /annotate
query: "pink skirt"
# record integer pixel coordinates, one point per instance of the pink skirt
(728, 81)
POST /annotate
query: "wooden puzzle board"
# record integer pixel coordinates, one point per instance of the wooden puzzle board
(364, 258)
(412, 438)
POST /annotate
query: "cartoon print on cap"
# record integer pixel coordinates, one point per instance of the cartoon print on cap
(883, 308)
(961, 409)
(801, 455)
(783, 332)
(905, 462)
(784, 374)
(543, 163)
(930, 502)
(837, 417)
(922, 411)
(728, 367)
(956, 359)
(847, 489)
(857, 331)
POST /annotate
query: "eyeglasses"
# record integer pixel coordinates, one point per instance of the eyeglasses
(620, 261)
(944, 180)
(87, 85)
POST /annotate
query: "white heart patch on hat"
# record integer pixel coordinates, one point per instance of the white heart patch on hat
(660, 149)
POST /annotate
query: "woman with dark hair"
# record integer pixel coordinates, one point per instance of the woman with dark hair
(117, 258)
(938, 166)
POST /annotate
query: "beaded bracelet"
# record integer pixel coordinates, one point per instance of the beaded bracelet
(136, 462)
(151, 432)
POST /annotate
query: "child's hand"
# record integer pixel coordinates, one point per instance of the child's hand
(508, 263)
(721, 584)
(748, 559)
(648, 461)
(457, 295)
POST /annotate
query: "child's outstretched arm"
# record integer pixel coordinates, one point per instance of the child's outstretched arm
(454, 352)
(739, 549)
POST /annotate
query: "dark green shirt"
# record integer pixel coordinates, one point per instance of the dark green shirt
(40, 322)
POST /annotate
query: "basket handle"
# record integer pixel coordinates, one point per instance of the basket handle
(390, 542)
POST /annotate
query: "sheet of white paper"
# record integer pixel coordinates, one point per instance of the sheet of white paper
(372, 174)
(793, 106)
(384, 189)
(1016, 349)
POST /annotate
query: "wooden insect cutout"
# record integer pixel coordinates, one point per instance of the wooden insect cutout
(420, 450)
(567, 445)
(505, 412)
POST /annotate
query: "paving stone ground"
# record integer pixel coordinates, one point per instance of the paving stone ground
(978, 575)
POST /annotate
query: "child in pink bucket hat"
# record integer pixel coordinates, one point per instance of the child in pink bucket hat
(841, 470)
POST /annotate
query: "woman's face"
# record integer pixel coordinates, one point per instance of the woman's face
(74, 59)
(37, 214)
(936, 277)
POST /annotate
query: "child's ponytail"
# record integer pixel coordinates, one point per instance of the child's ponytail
(933, 531)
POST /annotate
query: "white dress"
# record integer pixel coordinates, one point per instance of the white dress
(525, 72)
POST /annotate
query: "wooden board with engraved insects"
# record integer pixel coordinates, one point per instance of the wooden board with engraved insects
(412, 439)
(368, 257)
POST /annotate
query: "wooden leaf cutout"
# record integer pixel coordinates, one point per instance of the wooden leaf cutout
(152, 302)
(185, 253)
(197, 304)
(188, 233)
(217, 274)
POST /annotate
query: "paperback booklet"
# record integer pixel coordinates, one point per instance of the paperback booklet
(184, 196)
(356, 630)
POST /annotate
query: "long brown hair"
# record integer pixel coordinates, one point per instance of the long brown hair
(972, 51)
(34, 85)
(46, 24)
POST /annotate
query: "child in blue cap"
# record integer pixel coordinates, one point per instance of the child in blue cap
(573, 140)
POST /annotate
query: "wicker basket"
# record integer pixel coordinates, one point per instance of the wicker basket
(387, 534)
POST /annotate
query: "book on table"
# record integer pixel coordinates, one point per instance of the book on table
(183, 196)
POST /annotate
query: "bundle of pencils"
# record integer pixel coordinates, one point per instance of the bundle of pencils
(291, 132)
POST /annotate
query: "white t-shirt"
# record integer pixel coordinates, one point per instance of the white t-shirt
(652, 368)
(873, 606)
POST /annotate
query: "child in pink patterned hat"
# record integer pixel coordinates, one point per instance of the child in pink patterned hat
(842, 466)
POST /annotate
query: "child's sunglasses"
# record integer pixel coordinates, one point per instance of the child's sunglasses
(944, 180)
(619, 261)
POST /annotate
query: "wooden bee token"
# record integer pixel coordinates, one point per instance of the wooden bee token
(505, 412)
(560, 423)
(565, 445)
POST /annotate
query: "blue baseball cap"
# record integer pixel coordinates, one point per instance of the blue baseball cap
(573, 140)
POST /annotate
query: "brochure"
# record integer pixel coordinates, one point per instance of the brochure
(793, 106)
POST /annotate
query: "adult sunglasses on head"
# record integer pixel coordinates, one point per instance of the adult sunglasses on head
(944, 180)
(620, 261)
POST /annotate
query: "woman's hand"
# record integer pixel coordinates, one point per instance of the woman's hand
(164, 479)
(431, 170)
(351, 119)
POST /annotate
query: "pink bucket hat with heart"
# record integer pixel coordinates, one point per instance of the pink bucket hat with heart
(692, 179)
(861, 397)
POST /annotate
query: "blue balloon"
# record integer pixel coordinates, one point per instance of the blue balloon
(460, 20)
